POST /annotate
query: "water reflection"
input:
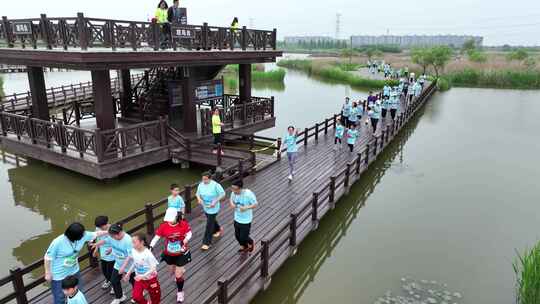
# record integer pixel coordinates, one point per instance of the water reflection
(290, 283)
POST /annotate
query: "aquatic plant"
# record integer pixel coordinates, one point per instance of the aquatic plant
(330, 71)
(509, 79)
(527, 269)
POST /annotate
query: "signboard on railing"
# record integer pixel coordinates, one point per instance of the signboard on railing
(182, 32)
(22, 28)
(210, 89)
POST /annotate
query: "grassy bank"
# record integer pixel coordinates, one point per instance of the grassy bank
(527, 269)
(504, 79)
(333, 72)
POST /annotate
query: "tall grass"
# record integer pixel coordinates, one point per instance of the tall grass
(258, 74)
(335, 73)
(506, 79)
(527, 269)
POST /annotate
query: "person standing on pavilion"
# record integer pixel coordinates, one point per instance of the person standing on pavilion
(216, 130)
(161, 17)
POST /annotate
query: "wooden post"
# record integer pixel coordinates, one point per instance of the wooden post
(112, 38)
(155, 34)
(278, 148)
(314, 210)
(83, 31)
(240, 170)
(18, 285)
(149, 212)
(8, 33)
(103, 106)
(388, 133)
(375, 146)
(2, 122)
(335, 121)
(317, 131)
(63, 141)
(292, 228)
(243, 40)
(358, 162)
(133, 35)
(45, 31)
(219, 155)
(36, 80)
(273, 106)
(126, 90)
(244, 78)
(204, 38)
(187, 198)
(265, 259)
(332, 191)
(306, 132)
(251, 142)
(274, 39)
(325, 126)
(223, 293)
(347, 175)
(253, 159)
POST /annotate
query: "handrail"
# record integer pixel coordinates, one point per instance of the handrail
(83, 32)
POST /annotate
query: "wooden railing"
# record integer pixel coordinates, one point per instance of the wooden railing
(142, 220)
(284, 240)
(258, 109)
(84, 33)
(21, 103)
(276, 247)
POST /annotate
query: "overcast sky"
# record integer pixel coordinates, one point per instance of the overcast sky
(515, 22)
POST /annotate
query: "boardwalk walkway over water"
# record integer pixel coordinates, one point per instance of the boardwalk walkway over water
(287, 213)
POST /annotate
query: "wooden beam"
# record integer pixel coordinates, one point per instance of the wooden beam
(103, 104)
(36, 80)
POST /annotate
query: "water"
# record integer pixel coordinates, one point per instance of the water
(450, 201)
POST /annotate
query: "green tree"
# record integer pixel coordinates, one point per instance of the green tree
(422, 57)
(517, 55)
(468, 46)
(440, 56)
(477, 56)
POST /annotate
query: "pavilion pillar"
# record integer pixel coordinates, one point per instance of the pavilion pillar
(189, 107)
(103, 103)
(40, 106)
(244, 75)
(127, 94)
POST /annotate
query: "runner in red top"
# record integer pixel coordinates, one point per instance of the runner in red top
(177, 234)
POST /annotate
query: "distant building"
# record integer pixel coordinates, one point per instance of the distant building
(409, 41)
(307, 39)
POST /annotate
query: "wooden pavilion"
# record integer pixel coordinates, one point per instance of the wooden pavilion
(156, 109)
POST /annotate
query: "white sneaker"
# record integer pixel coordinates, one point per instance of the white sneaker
(118, 301)
(289, 177)
(112, 291)
(106, 285)
(180, 297)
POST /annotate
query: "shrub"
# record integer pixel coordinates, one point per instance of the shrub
(527, 270)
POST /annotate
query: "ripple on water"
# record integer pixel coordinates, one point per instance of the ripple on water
(421, 292)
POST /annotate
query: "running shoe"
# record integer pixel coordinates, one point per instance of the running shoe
(290, 177)
(106, 285)
(251, 248)
(112, 291)
(180, 297)
(118, 301)
(219, 233)
(205, 247)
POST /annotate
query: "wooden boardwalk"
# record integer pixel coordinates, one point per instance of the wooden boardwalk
(287, 213)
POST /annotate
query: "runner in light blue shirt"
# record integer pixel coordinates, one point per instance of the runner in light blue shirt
(105, 255)
(352, 135)
(340, 130)
(353, 117)
(292, 149)
(346, 111)
(175, 200)
(243, 201)
(72, 292)
(60, 259)
(209, 195)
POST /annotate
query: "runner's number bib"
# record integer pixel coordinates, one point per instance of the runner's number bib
(174, 247)
(70, 261)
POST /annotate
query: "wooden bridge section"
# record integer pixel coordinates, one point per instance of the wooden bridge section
(287, 213)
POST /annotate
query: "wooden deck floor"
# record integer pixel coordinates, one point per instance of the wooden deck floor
(277, 199)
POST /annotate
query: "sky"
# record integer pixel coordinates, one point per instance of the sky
(515, 22)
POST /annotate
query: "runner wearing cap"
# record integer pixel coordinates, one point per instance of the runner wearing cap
(176, 254)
